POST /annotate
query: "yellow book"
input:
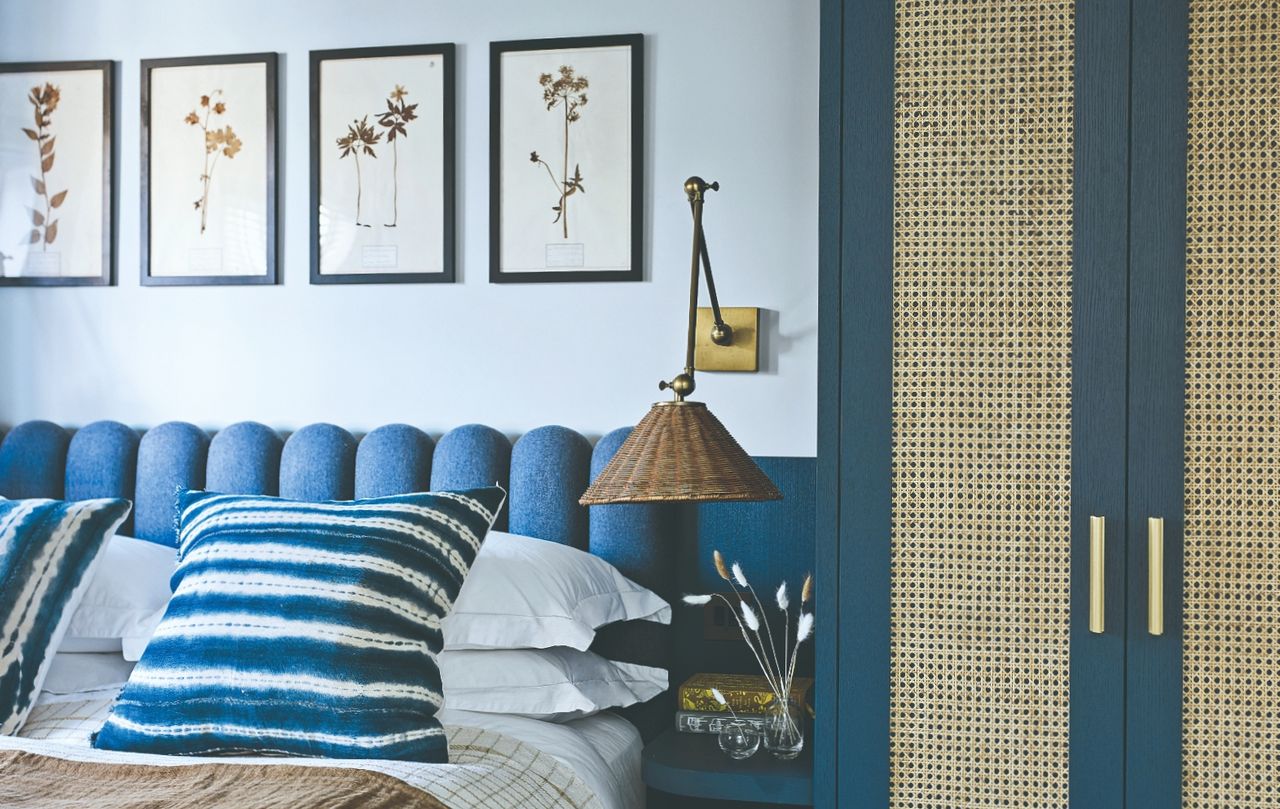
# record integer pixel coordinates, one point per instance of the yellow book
(745, 693)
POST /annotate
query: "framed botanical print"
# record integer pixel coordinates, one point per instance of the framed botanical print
(56, 169)
(382, 165)
(209, 170)
(566, 160)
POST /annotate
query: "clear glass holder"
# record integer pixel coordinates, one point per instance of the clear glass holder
(738, 739)
(784, 729)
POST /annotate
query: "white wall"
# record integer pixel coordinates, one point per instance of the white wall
(732, 95)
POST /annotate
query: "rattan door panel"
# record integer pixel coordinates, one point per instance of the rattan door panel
(1231, 587)
(982, 404)
(1030, 386)
(1203, 727)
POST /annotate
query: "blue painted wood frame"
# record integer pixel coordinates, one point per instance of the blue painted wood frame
(826, 734)
(856, 354)
(1098, 407)
(1157, 336)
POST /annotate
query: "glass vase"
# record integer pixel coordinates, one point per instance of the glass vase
(784, 729)
(738, 739)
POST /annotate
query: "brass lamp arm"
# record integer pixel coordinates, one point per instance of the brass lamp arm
(721, 334)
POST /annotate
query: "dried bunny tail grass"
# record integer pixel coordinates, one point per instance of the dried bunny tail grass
(720, 568)
(715, 692)
(697, 600)
(781, 596)
(739, 576)
(804, 628)
(806, 592)
(749, 617)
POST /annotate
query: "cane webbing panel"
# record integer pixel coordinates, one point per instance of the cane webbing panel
(1231, 608)
(981, 403)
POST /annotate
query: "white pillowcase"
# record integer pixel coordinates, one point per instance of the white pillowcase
(553, 684)
(125, 601)
(82, 673)
(525, 593)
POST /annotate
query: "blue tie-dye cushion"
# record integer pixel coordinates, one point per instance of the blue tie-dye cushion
(47, 552)
(305, 629)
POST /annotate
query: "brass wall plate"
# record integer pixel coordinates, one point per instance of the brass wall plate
(743, 355)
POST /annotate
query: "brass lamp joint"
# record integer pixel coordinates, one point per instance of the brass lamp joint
(681, 386)
(695, 188)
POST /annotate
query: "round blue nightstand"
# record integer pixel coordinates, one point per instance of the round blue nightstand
(691, 764)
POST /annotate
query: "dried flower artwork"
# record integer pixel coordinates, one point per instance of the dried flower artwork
(567, 91)
(360, 139)
(395, 120)
(218, 142)
(44, 100)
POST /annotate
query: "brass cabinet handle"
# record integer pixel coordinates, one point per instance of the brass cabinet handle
(1097, 574)
(1155, 575)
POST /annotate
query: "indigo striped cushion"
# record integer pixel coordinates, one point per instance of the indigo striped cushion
(305, 629)
(47, 552)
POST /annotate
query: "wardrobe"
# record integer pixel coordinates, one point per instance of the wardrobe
(1049, 492)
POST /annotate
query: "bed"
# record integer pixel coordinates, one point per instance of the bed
(495, 760)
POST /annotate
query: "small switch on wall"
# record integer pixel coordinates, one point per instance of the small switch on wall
(717, 623)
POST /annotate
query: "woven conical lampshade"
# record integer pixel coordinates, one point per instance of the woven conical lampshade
(679, 451)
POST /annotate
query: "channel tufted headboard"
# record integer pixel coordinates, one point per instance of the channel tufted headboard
(545, 472)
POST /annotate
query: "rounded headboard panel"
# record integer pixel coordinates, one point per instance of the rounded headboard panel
(245, 459)
(33, 461)
(172, 456)
(102, 461)
(393, 459)
(318, 463)
(550, 467)
(472, 456)
(638, 539)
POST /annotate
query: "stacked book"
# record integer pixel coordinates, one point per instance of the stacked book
(697, 711)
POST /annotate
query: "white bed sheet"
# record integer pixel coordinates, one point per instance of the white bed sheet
(603, 750)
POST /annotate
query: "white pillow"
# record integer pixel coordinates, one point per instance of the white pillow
(71, 645)
(81, 673)
(554, 684)
(126, 598)
(525, 593)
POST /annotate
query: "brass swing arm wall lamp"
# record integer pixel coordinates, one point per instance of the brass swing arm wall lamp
(679, 451)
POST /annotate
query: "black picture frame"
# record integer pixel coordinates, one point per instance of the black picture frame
(496, 51)
(108, 275)
(271, 61)
(447, 52)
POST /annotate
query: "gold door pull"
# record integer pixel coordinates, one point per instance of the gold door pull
(1097, 574)
(1155, 575)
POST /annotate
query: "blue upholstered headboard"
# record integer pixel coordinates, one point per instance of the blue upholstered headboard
(545, 472)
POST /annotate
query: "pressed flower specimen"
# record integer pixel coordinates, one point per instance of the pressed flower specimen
(44, 100)
(568, 92)
(218, 142)
(395, 119)
(360, 138)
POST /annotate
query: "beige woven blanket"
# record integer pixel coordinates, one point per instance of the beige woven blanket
(486, 770)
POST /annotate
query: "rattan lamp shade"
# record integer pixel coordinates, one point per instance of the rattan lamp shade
(680, 452)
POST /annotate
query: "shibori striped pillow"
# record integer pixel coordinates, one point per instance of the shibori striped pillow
(48, 549)
(304, 629)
